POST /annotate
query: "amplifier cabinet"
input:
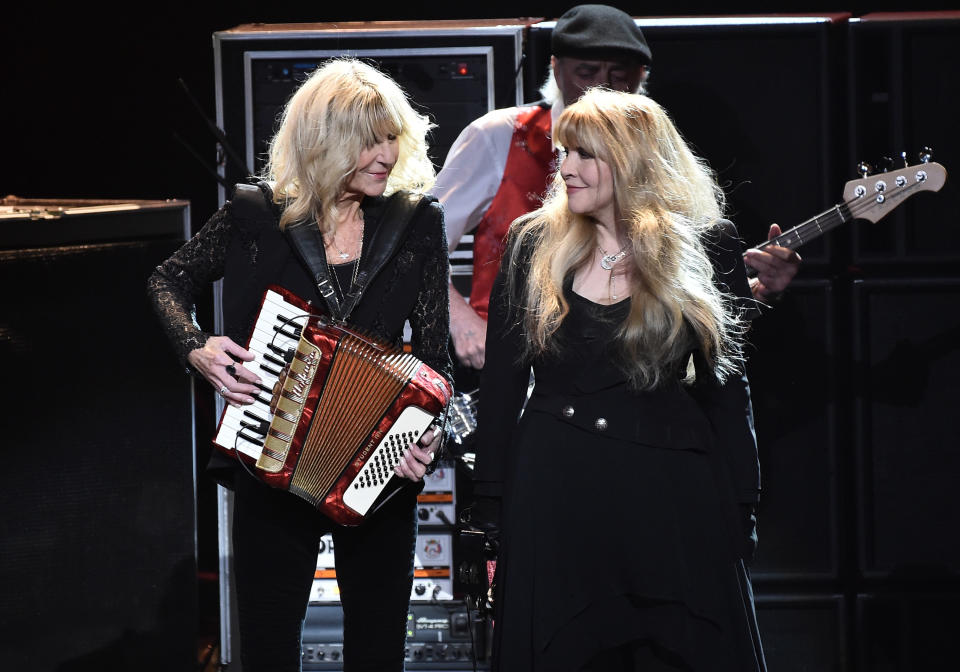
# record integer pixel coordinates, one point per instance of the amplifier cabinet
(906, 368)
(907, 630)
(441, 635)
(99, 532)
(455, 71)
(799, 427)
(804, 632)
(901, 101)
(432, 571)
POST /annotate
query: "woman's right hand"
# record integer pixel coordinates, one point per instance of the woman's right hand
(217, 362)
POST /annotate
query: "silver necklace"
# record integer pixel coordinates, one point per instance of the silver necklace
(355, 262)
(353, 277)
(608, 261)
(333, 240)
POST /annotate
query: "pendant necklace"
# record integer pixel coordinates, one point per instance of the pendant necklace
(355, 262)
(340, 253)
(353, 278)
(607, 262)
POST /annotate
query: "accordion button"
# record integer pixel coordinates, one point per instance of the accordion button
(567, 411)
(601, 424)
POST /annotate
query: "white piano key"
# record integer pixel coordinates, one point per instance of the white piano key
(263, 334)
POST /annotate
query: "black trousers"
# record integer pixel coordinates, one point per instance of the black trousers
(276, 539)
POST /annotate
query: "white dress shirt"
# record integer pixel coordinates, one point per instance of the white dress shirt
(473, 170)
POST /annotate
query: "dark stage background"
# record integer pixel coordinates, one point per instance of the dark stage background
(854, 373)
(92, 104)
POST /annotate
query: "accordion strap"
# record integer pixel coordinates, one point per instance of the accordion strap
(383, 242)
(307, 241)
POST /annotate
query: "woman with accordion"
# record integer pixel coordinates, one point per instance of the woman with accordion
(347, 168)
(623, 497)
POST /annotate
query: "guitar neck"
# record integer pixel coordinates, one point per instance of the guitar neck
(870, 198)
(811, 229)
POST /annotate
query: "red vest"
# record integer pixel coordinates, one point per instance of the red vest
(530, 163)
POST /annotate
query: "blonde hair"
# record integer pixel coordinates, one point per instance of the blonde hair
(667, 202)
(342, 108)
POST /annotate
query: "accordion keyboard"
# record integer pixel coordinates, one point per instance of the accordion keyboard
(273, 341)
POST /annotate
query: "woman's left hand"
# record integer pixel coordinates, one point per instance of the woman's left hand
(417, 458)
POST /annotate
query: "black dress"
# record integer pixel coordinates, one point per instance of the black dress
(621, 509)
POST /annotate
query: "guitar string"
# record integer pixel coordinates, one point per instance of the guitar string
(830, 218)
(856, 207)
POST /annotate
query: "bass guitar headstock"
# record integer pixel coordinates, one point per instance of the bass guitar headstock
(872, 197)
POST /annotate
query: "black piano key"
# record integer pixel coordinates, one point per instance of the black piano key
(256, 428)
(286, 353)
(262, 426)
(292, 322)
(254, 416)
(270, 358)
(287, 333)
(269, 370)
(247, 437)
(264, 388)
(263, 401)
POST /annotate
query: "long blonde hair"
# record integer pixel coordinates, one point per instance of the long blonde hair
(667, 202)
(342, 108)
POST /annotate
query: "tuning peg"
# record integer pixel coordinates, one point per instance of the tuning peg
(926, 154)
(903, 155)
(886, 163)
(864, 168)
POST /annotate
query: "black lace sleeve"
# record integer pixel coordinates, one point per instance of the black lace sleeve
(176, 284)
(430, 320)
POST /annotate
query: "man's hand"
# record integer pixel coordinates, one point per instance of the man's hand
(775, 268)
(468, 331)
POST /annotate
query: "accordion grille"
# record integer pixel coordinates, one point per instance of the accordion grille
(362, 383)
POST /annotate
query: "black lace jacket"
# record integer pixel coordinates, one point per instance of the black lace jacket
(250, 253)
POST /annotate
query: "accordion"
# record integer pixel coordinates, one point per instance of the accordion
(335, 413)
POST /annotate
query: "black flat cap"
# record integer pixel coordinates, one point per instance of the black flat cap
(599, 32)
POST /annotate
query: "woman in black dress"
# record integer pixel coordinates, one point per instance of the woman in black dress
(625, 493)
(349, 155)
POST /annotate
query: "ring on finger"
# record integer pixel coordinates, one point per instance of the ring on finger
(232, 370)
(223, 390)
